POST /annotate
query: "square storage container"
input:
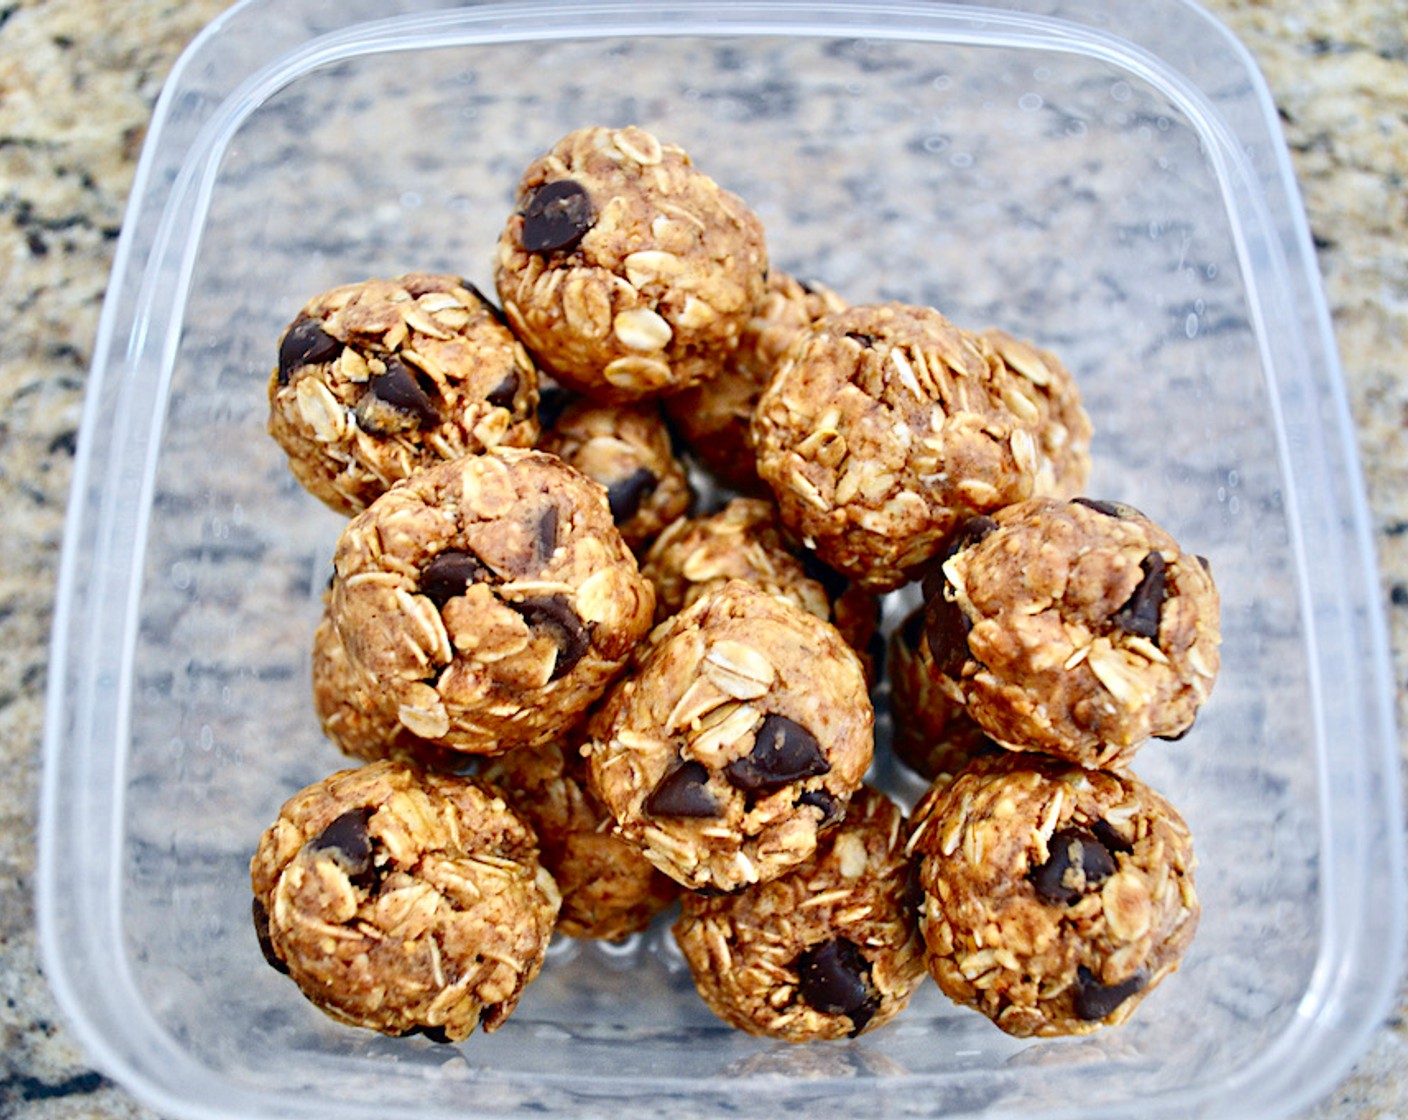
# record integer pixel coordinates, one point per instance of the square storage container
(1106, 178)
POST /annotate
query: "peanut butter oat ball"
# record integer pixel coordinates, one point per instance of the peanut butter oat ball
(403, 901)
(627, 449)
(715, 417)
(830, 949)
(932, 734)
(744, 540)
(608, 888)
(737, 738)
(625, 270)
(379, 380)
(885, 425)
(490, 599)
(1077, 628)
(1055, 898)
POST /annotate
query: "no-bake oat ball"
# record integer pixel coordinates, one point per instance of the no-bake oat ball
(625, 269)
(403, 901)
(1055, 897)
(738, 738)
(1077, 628)
(378, 380)
(885, 425)
(491, 599)
(831, 949)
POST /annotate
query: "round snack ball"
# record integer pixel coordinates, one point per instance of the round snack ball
(608, 888)
(714, 417)
(360, 719)
(1055, 897)
(403, 901)
(627, 449)
(379, 380)
(932, 734)
(744, 540)
(739, 736)
(829, 950)
(491, 599)
(625, 270)
(885, 425)
(1077, 628)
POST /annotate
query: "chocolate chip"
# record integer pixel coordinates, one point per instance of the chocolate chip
(1077, 864)
(1105, 832)
(449, 575)
(820, 799)
(557, 217)
(489, 305)
(1140, 614)
(1205, 562)
(965, 534)
(266, 943)
(1176, 736)
(683, 793)
(399, 388)
(832, 581)
(552, 403)
(625, 496)
(545, 538)
(1118, 510)
(553, 615)
(346, 839)
(867, 341)
(783, 751)
(435, 1034)
(304, 344)
(833, 978)
(504, 392)
(1095, 1000)
(946, 627)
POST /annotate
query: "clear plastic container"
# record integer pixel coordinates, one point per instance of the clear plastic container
(1103, 176)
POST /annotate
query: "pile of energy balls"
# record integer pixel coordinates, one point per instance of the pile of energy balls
(577, 700)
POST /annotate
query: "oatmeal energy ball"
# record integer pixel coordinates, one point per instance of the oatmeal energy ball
(741, 734)
(828, 950)
(1077, 628)
(626, 270)
(379, 380)
(885, 425)
(1055, 898)
(608, 888)
(491, 599)
(403, 901)
(626, 448)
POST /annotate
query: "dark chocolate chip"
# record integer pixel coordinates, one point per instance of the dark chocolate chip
(1077, 863)
(683, 792)
(832, 581)
(557, 217)
(1118, 510)
(1177, 735)
(783, 751)
(946, 627)
(1106, 833)
(552, 403)
(833, 978)
(1095, 1000)
(435, 1034)
(504, 392)
(966, 533)
(545, 539)
(867, 341)
(266, 943)
(626, 495)
(489, 305)
(1205, 562)
(1140, 614)
(346, 839)
(820, 799)
(450, 574)
(554, 616)
(404, 392)
(304, 344)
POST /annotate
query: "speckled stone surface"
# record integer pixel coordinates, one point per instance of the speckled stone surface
(77, 82)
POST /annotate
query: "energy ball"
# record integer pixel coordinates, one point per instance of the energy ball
(625, 270)
(627, 449)
(931, 733)
(1055, 898)
(714, 417)
(490, 599)
(1077, 628)
(379, 380)
(829, 950)
(403, 901)
(609, 890)
(739, 736)
(885, 425)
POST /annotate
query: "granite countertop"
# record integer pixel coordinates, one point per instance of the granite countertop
(77, 82)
